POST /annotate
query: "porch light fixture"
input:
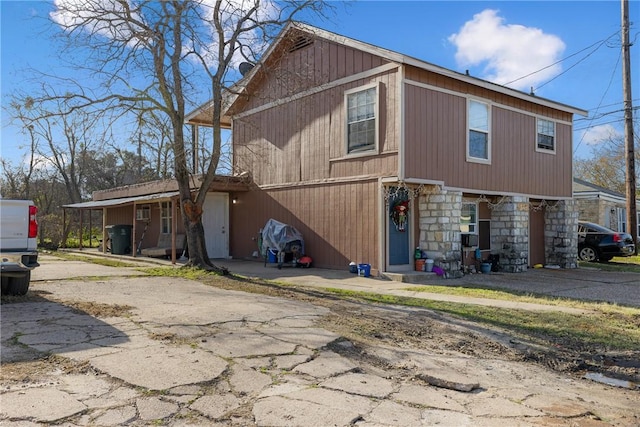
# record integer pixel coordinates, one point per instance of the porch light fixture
(234, 200)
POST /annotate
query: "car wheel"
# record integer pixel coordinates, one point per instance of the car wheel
(588, 254)
(19, 285)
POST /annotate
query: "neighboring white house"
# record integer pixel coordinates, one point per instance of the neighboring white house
(602, 206)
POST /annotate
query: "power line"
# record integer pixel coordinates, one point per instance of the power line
(610, 105)
(581, 60)
(599, 43)
(599, 103)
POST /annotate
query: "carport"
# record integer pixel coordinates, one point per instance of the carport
(138, 206)
(144, 202)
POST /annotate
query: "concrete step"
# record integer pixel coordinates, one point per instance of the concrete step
(411, 276)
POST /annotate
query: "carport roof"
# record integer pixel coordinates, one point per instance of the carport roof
(122, 201)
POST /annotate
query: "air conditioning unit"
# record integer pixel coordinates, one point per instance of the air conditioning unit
(143, 213)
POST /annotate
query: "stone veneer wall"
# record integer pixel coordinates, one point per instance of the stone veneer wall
(439, 222)
(510, 233)
(561, 234)
(589, 210)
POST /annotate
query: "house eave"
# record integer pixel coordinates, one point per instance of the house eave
(408, 60)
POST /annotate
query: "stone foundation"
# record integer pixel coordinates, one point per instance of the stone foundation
(439, 223)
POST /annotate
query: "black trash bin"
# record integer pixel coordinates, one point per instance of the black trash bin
(120, 236)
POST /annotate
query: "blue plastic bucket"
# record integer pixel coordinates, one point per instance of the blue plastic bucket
(272, 256)
(364, 270)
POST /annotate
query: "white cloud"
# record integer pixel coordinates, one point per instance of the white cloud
(506, 51)
(599, 134)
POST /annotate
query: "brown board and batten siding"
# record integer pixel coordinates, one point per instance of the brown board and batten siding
(124, 215)
(337, 220)
(286, 73)
(304, 139)
(436, 135)
(292, 141)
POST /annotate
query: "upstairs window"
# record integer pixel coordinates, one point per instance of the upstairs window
(478, 144)
(361, 120)
(546, 139)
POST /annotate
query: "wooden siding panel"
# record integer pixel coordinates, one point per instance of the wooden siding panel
(304, 139)
(337, 231)
(443, 82)
(287, 73)
(436, 148)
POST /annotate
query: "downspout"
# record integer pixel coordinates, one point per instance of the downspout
(174, 225)
(105, 235)
(134, 251)
(401, 131)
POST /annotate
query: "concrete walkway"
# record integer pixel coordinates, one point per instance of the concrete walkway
(181, 353)
(583, 283)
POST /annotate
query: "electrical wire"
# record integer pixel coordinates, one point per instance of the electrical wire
(599, 104)
(598, 43)
(581, 60)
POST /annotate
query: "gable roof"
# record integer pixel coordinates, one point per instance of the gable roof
(389, 55)
(586, 189)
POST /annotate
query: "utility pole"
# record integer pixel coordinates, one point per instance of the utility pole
(630, 181)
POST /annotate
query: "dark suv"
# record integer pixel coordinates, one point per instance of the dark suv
(598, 243)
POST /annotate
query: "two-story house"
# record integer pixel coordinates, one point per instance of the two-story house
(371, 153)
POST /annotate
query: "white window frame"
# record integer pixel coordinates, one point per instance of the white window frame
(472, 128)
(622, 219)
(540, 149)
(472, 227)
(165, 217)
(369, 149)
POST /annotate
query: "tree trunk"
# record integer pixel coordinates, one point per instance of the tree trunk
(198, 256)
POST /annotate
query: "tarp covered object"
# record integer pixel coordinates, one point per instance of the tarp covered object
(277, 235)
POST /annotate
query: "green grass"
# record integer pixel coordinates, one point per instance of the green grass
(109, 262)
(184, 272)
(625, 264)
(525, 297)
(606, 326)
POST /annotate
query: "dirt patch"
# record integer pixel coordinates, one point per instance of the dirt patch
(403, 327)
(99, 310)
(40, 369)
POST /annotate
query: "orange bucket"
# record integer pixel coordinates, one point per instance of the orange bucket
(420, 265)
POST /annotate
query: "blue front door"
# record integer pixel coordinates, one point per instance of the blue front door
(399, 227)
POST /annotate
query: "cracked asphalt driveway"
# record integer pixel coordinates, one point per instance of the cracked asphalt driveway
(123, 349)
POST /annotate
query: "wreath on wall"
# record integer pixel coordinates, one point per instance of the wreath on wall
(400, 214)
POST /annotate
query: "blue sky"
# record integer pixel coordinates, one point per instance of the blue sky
(501, 41)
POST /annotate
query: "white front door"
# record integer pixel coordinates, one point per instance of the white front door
(215, 219)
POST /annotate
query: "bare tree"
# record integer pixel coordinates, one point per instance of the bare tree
(606, 166)
(167, 56)
(62, 139)
(16, 179)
